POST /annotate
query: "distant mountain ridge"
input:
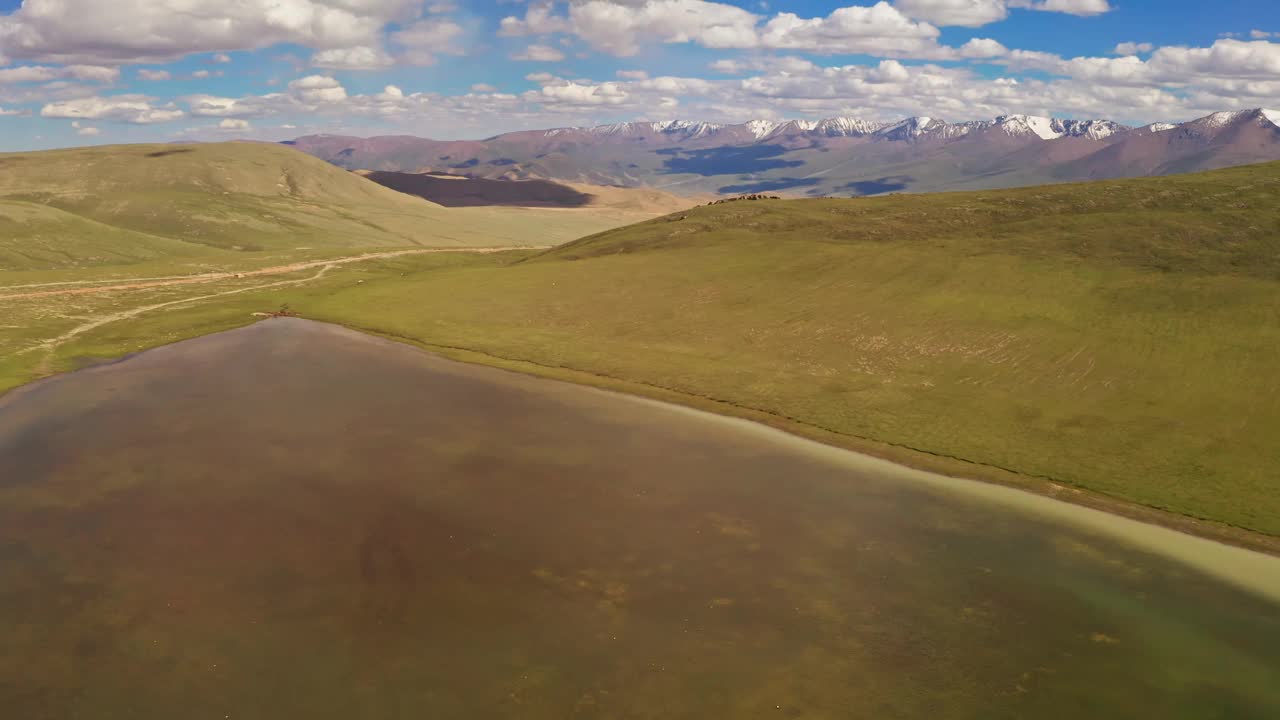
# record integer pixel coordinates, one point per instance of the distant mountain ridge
(1044, 127)
(832, 156)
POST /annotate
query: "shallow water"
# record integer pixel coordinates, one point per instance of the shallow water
(297, 521)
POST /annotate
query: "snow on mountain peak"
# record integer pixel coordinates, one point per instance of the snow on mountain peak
(912, 127)
(1160, 127)
(688, 127)
(1271, 116)
(1042, 127)
(850, 126)
(761, 128)
(1222, 119)
(1092, 129)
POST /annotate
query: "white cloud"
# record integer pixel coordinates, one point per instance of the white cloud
(620, 29)
(86, 131)
(902, 29)
(879, 29)
(232, 124)
(361, 57)
(136, 109)
(1070, 7)
(1133, 48)
(315, 90)
(483, 88)
(633, 74)
(44, 73)
(221, 58)
(1262, 34)
(314, 94)
(121, 31)
(576, 94)
(982, 48)
(538, 20)
(425, 39)
(965, 13)
(539, 53)
(766, 63)
(211, 106)
(154, 75)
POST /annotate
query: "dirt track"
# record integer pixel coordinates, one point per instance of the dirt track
(144, 283)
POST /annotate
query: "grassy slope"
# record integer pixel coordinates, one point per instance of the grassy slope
(246, 197)
(1118, 336)
(39, 236)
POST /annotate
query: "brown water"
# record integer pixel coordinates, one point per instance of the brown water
(296, 521)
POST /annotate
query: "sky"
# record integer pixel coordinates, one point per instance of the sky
(77, 72)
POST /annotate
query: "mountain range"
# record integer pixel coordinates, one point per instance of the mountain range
(832, 157)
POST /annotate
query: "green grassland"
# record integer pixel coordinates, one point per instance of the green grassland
(113, 204)
(1119, 337)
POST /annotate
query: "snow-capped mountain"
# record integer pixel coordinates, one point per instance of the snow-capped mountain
(831, 156)
(911, 128)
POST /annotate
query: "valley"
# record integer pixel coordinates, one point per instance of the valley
(639, 360)
(472, 518)
(1022, 336)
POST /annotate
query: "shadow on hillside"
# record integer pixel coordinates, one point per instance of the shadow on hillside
(769, 185)
(879, 186)
(462, 191)
(727, 160)
(166, 153)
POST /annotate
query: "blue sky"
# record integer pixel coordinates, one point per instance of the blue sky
(89, 71)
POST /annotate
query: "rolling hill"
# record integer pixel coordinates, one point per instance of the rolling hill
(832, 157)
(1116, 336)
(115, 204)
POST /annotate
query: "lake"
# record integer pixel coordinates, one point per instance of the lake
(294, 520)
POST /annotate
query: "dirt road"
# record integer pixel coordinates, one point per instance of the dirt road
(144, 283)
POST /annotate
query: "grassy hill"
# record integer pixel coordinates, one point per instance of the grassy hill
(1121, 337)
(143, 200)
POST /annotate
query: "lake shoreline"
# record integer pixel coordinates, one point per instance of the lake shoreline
(906, 458)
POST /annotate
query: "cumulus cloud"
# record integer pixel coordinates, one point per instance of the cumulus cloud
(879, 29)
(135, 109)
(154, 75)
(314, 94)
(84, 129)
(44, 73)
(234, 125)
(91, 31)
(423, 40)
(965, 13)
(316, 90)
(1070, 7)
(902, 29)
(1133, 48)
(578, 94)
(539, 53)
(362, 57)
